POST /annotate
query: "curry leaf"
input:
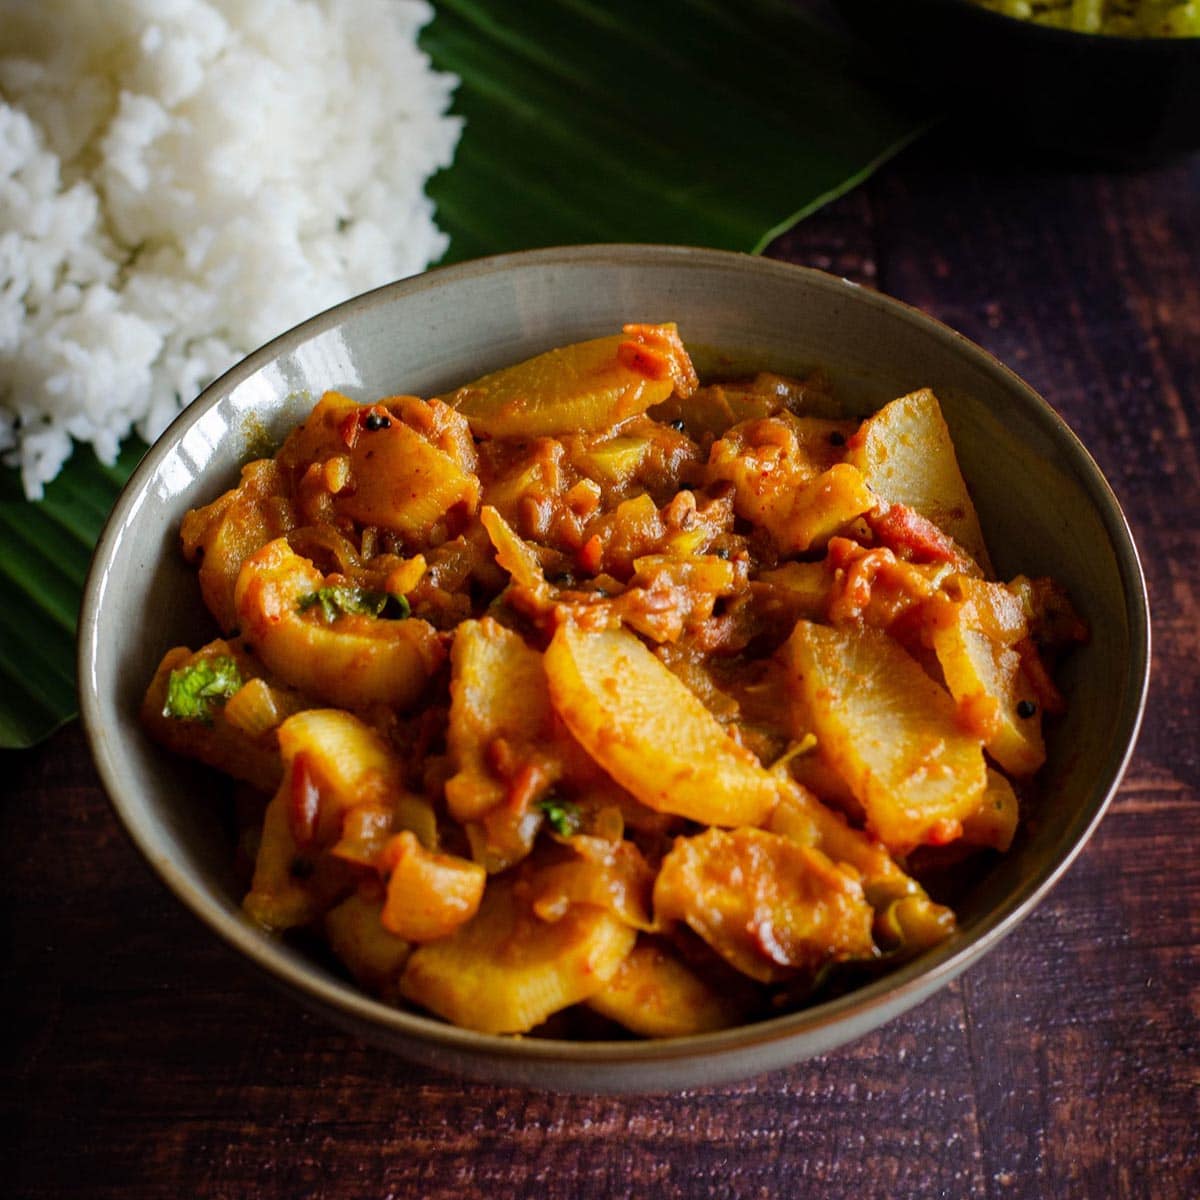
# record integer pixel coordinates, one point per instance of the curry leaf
(195, 691)
(331, 602)
(561, 815)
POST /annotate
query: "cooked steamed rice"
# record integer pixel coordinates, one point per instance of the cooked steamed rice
(181, 180)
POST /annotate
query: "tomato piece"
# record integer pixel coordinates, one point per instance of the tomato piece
(914, 537)
(304, 811)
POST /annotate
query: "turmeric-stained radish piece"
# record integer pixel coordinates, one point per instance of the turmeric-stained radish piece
(789, 478)
(353, 661)
(611, 875)
(356, 935)
(292, 886)
(402, 464)
(222, 535)
(767, 905)
(650, 732)
(584, 386)
(335, 763)
(654, 994)
(502, 740)
(400, 481)
(906, 456)
(497, 692)
(994, 824)
(889, 730)
(507, 970)
(988, 681)
(429, 895)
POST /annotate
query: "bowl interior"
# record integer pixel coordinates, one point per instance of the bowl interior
(1044, 508)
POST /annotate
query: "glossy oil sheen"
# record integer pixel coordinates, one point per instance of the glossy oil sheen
(1044, 506)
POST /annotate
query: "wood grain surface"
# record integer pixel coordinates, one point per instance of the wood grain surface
(144, 1060)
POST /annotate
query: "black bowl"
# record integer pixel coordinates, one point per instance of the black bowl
(1123, 100)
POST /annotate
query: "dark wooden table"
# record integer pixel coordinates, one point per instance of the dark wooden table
(145, 1061)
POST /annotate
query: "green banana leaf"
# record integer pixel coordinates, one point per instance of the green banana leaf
(687, 121)
(697, 122)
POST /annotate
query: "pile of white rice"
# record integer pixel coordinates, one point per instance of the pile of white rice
(180, 181)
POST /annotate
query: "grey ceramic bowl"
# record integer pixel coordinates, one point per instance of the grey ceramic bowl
(1044, 506)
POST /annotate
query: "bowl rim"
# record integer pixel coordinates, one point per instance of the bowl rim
(894, 991)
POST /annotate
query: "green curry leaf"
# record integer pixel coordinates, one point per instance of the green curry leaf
(561, 815)
(337, 599)
(195, 692)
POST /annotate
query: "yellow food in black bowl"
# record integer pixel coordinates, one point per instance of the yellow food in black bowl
(1118, 18)
(1108, 81)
